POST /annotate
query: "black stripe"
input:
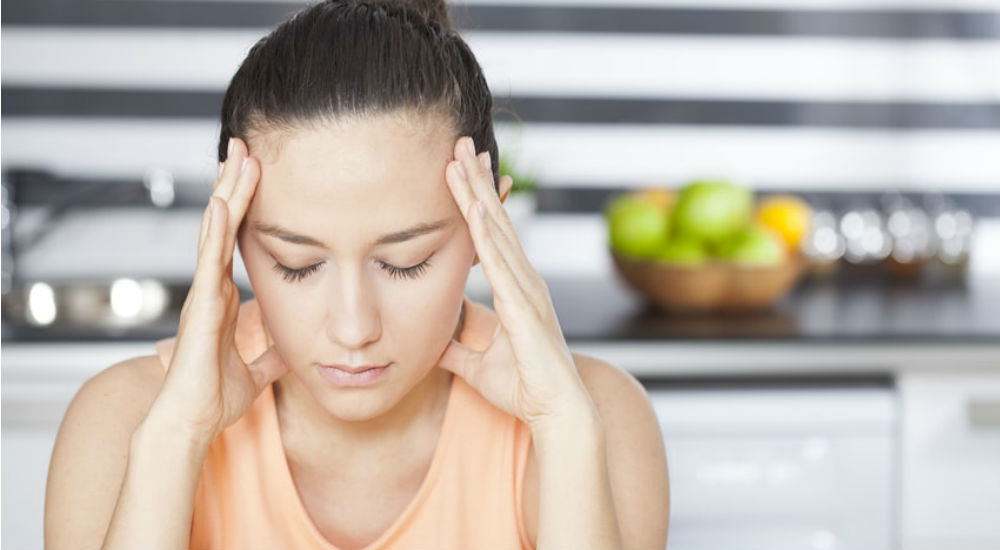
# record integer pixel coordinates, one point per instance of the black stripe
(567, 198)
(756, 113)
(92, 102)
(38, 187)
(84, 102)
(898, 24)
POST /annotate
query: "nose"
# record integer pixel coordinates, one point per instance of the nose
(352, 320)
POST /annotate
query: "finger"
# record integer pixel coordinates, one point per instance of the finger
(203, 232)
(230, 173)
(239, 202)
(266, 369)
(506, 240)
(507, 291)
(529, 280)
(457, 177)
(480, 177)
(460, 359)
(208, 272)
(500, 213)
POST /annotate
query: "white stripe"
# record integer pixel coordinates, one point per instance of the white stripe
(786, 157)
(561, 154)
(122, 148)
(132, 58)
(950, 5)
(588, 65)
(738, 67)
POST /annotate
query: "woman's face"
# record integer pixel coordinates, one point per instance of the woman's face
(337, 278)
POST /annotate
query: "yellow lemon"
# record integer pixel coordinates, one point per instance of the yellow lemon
(789, 215)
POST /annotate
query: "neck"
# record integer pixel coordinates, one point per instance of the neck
(419, 413)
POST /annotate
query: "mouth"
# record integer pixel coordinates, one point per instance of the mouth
(354, 370)
(344, 376)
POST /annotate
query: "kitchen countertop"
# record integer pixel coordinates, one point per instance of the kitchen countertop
(847, 312)
(847, 325)
(833, 329)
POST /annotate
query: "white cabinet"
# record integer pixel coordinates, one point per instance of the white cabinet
(807, 467)
(950, 459)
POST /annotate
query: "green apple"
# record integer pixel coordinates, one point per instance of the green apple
(683, 251)
(712, 211)
(754, 245)
(636, 227)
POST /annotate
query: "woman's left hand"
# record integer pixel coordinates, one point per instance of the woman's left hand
(527, 370)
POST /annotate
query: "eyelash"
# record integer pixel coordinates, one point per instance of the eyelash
(413, 272)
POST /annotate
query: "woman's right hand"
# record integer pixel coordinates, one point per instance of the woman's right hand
(208, 386)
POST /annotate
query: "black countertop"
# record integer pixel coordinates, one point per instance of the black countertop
(604, 310)
(849, 311)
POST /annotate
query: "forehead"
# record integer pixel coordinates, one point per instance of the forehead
(372, 174)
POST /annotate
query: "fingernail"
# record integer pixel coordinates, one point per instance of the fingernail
(489, 162)
(210, 211)
(243, 165)
(221, 166)
(229, 148)
(471, 146)
(461, 171)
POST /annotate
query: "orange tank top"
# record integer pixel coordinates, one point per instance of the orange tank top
(469, 498)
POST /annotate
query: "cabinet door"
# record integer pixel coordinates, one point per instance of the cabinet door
(951, 459)
(779, 468)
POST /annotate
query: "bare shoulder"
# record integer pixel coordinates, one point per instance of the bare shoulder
(637, 462)
(91, 450)
(120, 394)
(607, 383)
(136, 379)
(636, 457)
(626, 412)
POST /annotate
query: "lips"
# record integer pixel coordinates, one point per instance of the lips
(355, 370)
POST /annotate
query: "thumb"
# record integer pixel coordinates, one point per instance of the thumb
(266, 369)
(460, 359)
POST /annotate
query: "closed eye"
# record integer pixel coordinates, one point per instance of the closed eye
(413, 272)
(295, 275)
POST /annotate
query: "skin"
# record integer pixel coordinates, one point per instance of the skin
(336, 184)
(127, 460)
(341, 172)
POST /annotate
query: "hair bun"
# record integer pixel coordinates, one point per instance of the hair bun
(432, 10)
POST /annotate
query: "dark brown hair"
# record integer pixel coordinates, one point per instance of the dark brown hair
(350, 59)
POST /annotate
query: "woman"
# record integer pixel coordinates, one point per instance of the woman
(360, 400)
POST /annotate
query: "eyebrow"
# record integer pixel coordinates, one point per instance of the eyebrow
(391, 238)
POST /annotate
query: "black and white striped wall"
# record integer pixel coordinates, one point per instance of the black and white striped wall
(813, 95)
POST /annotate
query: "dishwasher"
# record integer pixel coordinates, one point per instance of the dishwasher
(786, 466)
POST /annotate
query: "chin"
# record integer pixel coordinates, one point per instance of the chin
(355, 404)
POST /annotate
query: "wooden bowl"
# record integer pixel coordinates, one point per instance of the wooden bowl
(711, 287)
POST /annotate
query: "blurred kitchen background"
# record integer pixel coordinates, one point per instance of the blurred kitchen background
(856, 407)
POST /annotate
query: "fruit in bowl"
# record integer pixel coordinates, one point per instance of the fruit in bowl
(788, 215)
(682, 251)
(754, 245)
(716, 253)
(712, 211)
(638, 224)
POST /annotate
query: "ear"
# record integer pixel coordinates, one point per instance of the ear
(506, 184)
